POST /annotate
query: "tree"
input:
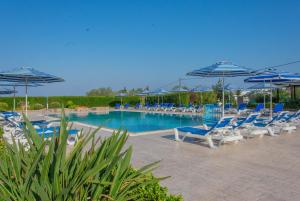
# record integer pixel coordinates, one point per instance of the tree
(218, 88)
(102, 91)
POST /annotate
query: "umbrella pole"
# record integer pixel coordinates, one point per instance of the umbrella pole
(14, 108)
(271, 102)
(47, 103)
(26, 98)
(223, 94)
(264, 100)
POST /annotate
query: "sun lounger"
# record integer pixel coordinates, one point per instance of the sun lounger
(207, 133)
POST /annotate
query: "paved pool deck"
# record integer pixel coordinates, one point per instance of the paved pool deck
(259, 169)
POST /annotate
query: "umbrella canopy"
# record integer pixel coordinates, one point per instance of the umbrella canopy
(159, 92)
(144, 93)
(201, 89)
(223, 69)
(274, 77)
(27, 76)
(7, 91)
(180, 89)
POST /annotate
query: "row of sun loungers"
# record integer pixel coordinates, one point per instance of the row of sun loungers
(15, 128)
(235, 128)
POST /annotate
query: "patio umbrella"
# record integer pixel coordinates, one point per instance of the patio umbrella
(201, 89)
(274, 77)
(14, 85)
(144, 93)
(264, 86)
(121, 95)
(180, 90)
(28, 76)
(159, 92)
(7, 91)
(222, 69)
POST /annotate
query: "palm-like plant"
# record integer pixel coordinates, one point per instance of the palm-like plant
(47, 171)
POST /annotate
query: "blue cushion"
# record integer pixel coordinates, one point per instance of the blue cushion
(193, 130)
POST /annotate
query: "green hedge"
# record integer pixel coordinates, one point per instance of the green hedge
(102, 101)
(95, 101)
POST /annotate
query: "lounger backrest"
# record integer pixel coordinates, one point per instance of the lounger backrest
(251, 118)
(223, 122)
(259, 107)
(242, 106)
(278, 107)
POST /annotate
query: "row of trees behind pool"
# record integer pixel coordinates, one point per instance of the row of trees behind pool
(36, 103)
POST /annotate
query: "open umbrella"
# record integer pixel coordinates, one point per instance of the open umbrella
(121, 95)
(14, 85)
(28, 76)
(7, 91)
(200, 89)
(159, 92)
(264, 86)
(274, 77)
(222, 69)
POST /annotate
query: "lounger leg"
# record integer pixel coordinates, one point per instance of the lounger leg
(177, 135)
(210, 142)
(270, 131)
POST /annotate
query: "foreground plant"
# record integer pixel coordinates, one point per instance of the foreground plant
(45, 171)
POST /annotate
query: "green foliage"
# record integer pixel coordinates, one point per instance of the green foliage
(2, 145)
(101, 92)
(3, 106)
(43, 170)
(38, 106)
(70, 105)
(218, 88)
(54, 105)
(155, 192)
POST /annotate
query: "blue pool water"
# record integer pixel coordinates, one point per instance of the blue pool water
(141, 121)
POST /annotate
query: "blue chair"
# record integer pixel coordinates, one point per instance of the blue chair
(126, 106)
(242, 106)
(259, 107)
(278, 107)
(137, 106)
(227, 106)
(117, 106)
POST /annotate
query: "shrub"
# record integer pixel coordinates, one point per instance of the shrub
(54, 105)
(155, 192)
(3, 106)
(38, 106)
(42, 170)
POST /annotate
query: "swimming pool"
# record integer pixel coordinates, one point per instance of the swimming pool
(136, 122)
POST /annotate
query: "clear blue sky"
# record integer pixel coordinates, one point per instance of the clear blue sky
(138, 43)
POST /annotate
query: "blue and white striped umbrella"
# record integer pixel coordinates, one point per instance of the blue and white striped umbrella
(159, 91)
(16, 84)
(223, 69)
(27, 76)
(201, 89)
(275, 77)
(7, 91)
